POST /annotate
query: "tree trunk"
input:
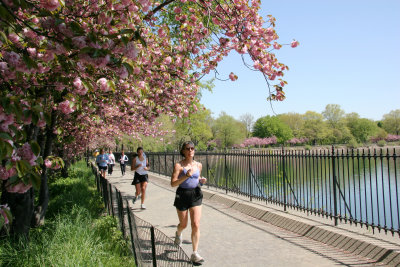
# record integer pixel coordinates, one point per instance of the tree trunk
(43, 202)
(21, 207)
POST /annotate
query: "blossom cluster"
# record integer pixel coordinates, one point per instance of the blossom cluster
(258, 142)
(388, 138)
(106, 68)
(297, 141)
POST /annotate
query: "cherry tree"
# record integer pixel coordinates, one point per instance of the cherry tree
(76, 72)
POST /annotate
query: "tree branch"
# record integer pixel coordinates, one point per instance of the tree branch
(158, 8)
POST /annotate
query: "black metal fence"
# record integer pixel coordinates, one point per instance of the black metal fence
(357, 186)
(150, 246)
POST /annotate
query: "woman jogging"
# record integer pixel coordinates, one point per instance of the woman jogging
(101, 161)
(188, 199)
(111, 162)
(140, 165)
(123, 159)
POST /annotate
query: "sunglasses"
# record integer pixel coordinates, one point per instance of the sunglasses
(189, 148)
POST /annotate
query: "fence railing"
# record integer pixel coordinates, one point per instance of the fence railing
(357, 186)
(150, 246)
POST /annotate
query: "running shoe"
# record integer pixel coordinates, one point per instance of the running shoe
(178, 239)
(143, 207)
(196, 258)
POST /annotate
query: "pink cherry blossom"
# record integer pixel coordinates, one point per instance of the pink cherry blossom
(47, 163)
(103, 84)
(167, 60)
(65, 107)
(232, 76)
(294, 44)
(18, 188)
(50, 5)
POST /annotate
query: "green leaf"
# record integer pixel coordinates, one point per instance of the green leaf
(39, 160)
(5, 136)
(128, 67)
(76, 28)
(3, 38)
(59, 21)
(35, 148)
(27, 113)
(125, 31)
(9, 165)
(37, 108)
(5, 103)
(139, 37)
(3, 150)
(47, 118)
(67, 43)
(29, 62)
(4, 14)
(17, 111)
(9, 149)
(125, 40)
(13, 179)
(35, 118)
(111, 84)
(9, 215)
(87, 85)
(44, 13)
(92, 37)
(23, 167)
(35, 180)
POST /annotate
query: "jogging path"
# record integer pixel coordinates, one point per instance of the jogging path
(237, 232)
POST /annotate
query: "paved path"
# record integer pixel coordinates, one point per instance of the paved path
(231, 238)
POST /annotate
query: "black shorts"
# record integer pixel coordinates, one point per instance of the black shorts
(138, 178)
(187, 198)
(103, 168)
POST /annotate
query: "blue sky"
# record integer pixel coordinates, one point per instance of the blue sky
(349, 55)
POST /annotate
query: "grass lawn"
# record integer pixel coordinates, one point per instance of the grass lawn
(76, 230)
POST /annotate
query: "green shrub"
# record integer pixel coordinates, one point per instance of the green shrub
(201, 146)
(307, 147)
(107, 228)
(381, 143)
(352, 143)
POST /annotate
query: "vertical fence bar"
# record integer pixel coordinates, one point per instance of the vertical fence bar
(111, 199)
(208, 171)
(153, 247)
(283, 179)
(131, 232)
(249, 158)
(334, 187)
(225, 173)
(165, 163)
(397, 192)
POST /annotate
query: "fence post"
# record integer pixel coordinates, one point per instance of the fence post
(159, 163)
(208, 175)
(153, 246)
(131, 232)
(225, 173)
(334, 186)
(165, 163)
(283, 179)
(251, 187)
(111, 199)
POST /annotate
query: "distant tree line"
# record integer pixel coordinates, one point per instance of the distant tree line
(332, 126)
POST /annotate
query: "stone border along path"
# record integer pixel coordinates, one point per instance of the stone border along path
(237, 232)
